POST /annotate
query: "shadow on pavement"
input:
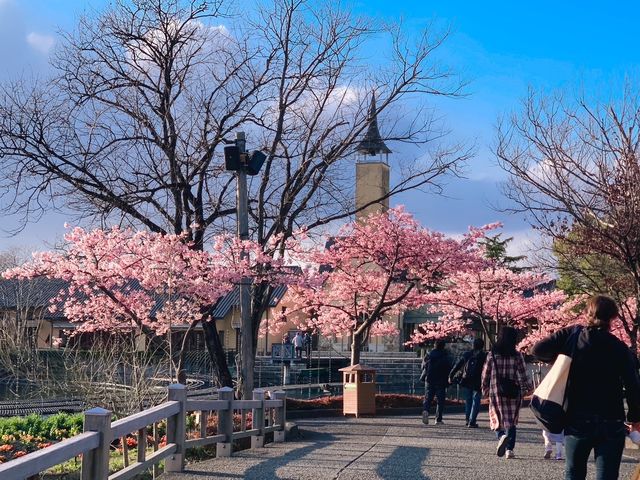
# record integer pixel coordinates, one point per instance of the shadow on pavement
(404, 462)
(267, 469)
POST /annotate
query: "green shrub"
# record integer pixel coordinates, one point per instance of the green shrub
(54, 427)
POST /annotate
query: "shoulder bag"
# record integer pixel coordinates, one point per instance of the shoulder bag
(549, 401)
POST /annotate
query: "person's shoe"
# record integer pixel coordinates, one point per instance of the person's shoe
(510, 454)
(472, 425)
(502, 445)
(466, 422)
(439, 422)
(547, 454)
(559, 456)
(425, 417)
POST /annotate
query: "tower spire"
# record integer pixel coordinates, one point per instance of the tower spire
(372, 143)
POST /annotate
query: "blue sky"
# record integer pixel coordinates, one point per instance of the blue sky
(502, 48)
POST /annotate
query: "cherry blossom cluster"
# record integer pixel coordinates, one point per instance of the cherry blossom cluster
(121, 279)
(375, 269)
(491, 294)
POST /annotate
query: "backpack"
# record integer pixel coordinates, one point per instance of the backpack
(472, 369)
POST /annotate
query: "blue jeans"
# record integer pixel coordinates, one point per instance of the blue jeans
(511, 433)
(472, 406)
(607, 441)
(439, 392)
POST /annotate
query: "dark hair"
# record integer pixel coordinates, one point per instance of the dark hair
(601, 310)
(478, 344)
(506, 343)
(440, 344)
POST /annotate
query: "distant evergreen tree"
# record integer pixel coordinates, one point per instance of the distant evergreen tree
(496, 250)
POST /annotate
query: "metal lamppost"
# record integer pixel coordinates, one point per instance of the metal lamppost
(237, 160)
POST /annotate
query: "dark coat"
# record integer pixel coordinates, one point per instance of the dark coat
(474, 380)
(436, 367)
(603, 372)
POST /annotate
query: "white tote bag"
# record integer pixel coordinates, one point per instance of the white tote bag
(548, 403)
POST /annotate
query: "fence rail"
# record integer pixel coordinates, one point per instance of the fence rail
(267, 415)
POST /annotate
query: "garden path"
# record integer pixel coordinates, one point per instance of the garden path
(392, 448)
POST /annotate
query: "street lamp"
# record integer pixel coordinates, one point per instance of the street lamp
(236, 159)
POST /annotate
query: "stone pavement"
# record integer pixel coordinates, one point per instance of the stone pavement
(390, 448)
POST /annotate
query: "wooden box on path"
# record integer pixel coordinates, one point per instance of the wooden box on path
(359, 390)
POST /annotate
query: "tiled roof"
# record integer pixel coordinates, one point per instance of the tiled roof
(38, 292)
(34, 293)
(232, 299)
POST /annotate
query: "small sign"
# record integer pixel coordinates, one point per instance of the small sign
(282, 352)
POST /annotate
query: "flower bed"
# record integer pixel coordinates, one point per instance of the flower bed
(22, 435)
(383, 401)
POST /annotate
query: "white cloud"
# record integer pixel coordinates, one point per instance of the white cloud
(40, 42)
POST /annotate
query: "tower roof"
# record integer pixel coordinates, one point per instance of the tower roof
(372, 143)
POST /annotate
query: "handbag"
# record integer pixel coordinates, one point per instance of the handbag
(507, 387)
(549, 400)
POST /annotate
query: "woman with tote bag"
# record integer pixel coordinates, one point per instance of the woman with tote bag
(601, 367)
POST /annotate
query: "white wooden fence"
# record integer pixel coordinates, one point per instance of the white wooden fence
(99, 432)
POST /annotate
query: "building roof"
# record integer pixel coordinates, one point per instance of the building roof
(232, 299)
(16, 294)
(372, 143)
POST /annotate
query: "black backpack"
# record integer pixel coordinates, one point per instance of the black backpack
(472, 369)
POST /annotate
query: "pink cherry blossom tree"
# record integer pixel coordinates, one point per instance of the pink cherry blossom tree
(491, 297)
(573, 312)
(374, 269)
(135, 281)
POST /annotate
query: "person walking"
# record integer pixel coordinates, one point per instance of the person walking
(435, 373)
(552, 440)
(471, 363)
(298, 342)
(505, 381)
(603, 372)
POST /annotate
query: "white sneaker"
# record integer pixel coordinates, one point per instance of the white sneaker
(559, 456)
(502, 445)
(510, 454)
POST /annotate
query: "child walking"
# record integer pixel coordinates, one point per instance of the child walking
(551, 439)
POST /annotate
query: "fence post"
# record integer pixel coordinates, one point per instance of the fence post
(281, 416)
(257, 420)
(176, 428)
(95, 463)
(225, 423)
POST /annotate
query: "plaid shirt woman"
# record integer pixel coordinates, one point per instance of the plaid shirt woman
(504, 412)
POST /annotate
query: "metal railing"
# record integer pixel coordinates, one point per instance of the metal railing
(268, 415)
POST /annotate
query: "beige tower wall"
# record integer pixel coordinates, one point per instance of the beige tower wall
(372, 182)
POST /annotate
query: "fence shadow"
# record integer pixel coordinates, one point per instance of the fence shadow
(269, 467)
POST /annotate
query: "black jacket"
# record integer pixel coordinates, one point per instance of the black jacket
(474, 379)
(436, 367)
(602, 365)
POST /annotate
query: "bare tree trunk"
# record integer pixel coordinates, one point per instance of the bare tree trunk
(216, 353)
(356, 344)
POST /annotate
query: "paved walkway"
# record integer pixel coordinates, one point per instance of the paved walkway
(392, 448)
